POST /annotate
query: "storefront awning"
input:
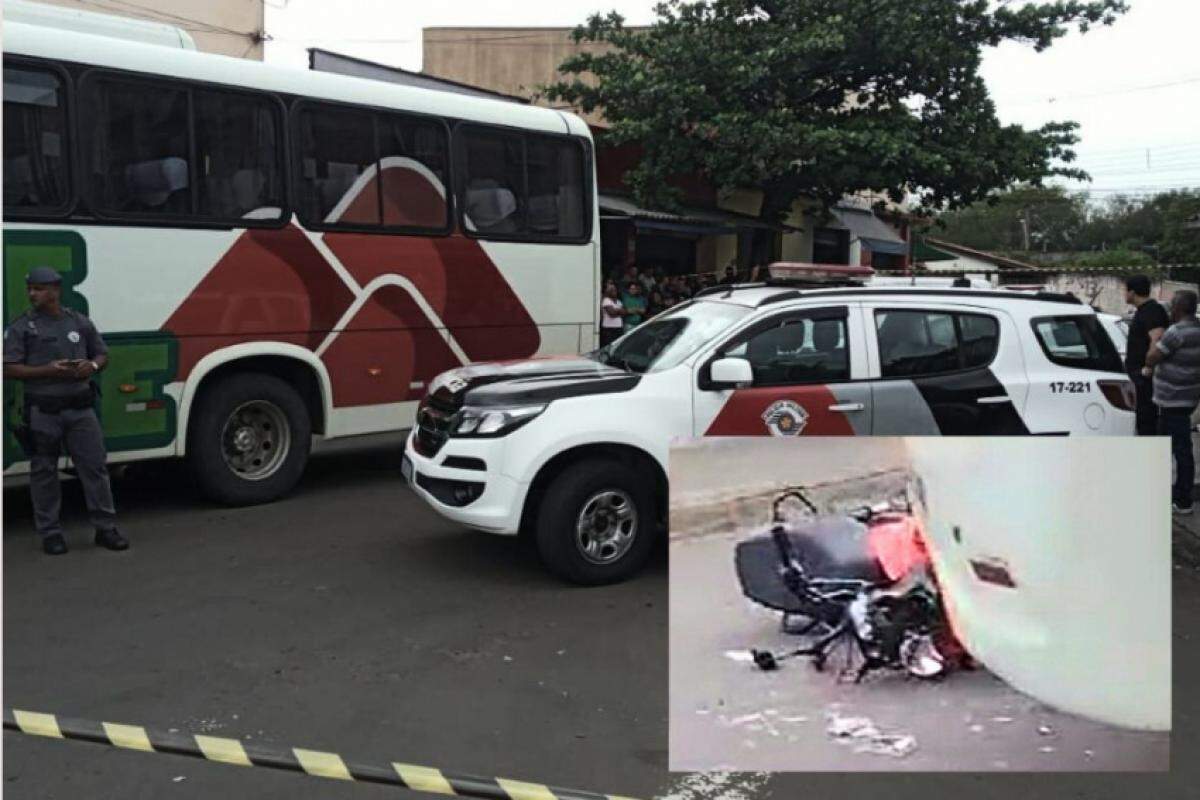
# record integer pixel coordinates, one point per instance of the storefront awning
(692, 221)
(870, 230)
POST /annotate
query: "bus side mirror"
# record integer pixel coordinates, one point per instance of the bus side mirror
(730, 373)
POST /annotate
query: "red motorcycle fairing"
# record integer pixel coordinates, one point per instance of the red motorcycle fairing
(897, 542)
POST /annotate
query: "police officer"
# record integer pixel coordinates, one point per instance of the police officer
(56, 351)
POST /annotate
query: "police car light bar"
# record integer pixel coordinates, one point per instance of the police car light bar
(795, 272)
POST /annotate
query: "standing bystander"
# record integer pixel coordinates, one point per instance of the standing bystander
(1148, 324)
(612, 314)
(635, 305)
(1175, 363)
(55, 351)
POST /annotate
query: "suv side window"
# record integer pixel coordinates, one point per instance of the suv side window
(1077, 341)
(797, 350)
(915, 343)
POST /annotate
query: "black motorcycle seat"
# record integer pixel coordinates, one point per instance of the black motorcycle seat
(837, 548)
(830, 548)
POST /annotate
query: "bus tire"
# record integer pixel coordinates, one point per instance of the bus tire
(596, 524)
(249, 439)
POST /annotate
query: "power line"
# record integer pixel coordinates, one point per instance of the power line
(1106, 93)
(164, 16)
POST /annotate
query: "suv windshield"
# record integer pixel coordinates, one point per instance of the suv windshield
(670, 337)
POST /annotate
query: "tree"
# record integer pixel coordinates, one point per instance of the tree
(1022, 218)
(821, 98)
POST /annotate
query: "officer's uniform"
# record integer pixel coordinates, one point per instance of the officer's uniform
(60, 411)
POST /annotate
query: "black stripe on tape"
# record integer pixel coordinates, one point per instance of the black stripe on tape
(476, 786)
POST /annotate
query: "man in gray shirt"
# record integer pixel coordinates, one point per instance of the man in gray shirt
(1175, 361)
(56, 351)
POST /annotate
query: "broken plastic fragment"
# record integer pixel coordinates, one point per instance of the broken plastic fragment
(867, 738)
(849, 727)
(740, 655)
(885, 745)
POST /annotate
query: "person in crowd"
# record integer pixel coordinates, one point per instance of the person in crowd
(635, 305)
(1148, 324)
(655, 304)
(1174, 363)
(648, 281)
(612, 315)
(631, 274)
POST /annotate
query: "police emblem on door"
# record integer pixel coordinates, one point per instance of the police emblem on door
(785, 418)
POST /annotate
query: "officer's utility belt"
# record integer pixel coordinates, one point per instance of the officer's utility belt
(51, 404)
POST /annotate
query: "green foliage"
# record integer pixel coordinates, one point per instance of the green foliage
(1111, 258)
(1122, 230)
(1053, 217)
(822, 98)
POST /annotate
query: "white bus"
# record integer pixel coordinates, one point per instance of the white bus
(274, 255)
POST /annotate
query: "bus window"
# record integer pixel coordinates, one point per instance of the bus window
(495, 183)
(139, 159)
(239, 155)
(35, 147)
(523, 186)
(556, 204)
(336, 146)
(413, 155)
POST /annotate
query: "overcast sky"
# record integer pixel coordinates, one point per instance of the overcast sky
(1133, 87)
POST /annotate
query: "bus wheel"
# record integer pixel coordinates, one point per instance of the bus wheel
(249, 440)
(596, 524)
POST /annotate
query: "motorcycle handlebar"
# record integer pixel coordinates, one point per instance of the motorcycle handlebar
(796, 493)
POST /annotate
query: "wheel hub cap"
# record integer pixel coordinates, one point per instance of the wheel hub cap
(607, 526)
(256, 439)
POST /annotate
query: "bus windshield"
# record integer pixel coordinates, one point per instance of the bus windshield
(669, 338)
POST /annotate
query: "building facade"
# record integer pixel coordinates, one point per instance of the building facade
(228, 27)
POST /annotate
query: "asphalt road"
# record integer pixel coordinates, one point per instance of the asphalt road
(350, 618)
(347, 617)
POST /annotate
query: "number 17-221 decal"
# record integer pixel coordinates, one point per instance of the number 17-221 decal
(1070, 387)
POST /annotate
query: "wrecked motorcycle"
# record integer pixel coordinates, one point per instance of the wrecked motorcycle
(862, 576)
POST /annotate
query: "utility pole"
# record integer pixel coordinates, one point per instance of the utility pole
(1025, 228)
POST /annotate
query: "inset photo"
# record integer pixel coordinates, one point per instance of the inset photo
(920, 604)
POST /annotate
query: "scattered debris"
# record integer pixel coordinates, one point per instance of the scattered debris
(794, 719)
(743, 656)
(1002, 719)
(1089, 753)
(976, 728)
(508, 658)
(1045, 730)
(867, 738)
(179, 778)
(1046, 749)
(742, 720)
(856, 727)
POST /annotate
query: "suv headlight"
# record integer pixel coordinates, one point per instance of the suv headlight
(475, 421)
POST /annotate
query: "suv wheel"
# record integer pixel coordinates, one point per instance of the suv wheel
(596, 524)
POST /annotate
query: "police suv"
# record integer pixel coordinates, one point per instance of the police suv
(574, 450)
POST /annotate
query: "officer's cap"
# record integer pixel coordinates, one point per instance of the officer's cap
(43, 275)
